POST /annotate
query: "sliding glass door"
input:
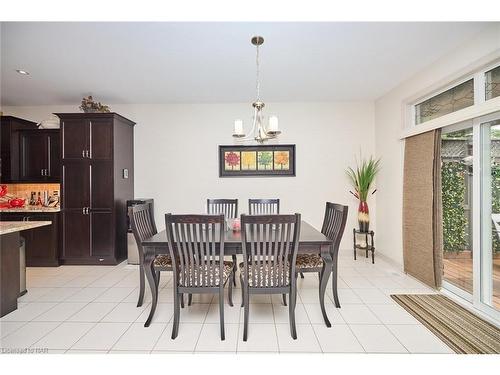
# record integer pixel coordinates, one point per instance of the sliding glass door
(457, 172)
(470, 171)
(490, 213)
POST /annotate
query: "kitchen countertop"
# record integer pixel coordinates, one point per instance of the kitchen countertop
(30, 209)
(17, 226)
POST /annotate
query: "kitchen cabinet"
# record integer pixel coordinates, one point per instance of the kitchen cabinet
(42, 244)
(97, 180)
(40, 159)
(10, 128)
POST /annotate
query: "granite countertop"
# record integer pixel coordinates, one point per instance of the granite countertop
(30, 209)
(17, 226)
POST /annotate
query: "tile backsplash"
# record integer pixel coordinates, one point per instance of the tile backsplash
(24, 190)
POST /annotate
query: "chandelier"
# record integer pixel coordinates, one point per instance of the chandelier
(259, 132)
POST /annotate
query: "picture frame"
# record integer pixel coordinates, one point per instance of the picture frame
(259, 160)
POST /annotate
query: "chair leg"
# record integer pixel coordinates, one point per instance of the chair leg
(235, 268)
(181, 296)
(221, 313)
(334, 283)
(284, 299)
(242, 292)
(177, 313)
(230, 291)
(190, 299)
(157, 274)
(142, 285)
(246, 313)
(291, 313)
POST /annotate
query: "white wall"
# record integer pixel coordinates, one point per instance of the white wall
(176, 154)
(389, 113)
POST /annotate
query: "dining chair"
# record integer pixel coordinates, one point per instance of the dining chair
(333, 228)
(229, 208)
(263, 206)
(143, 226)
(196, 245)
(269, 245)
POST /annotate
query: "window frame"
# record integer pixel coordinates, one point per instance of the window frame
(481, 106)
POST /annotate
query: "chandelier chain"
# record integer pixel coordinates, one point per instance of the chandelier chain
(257, 84)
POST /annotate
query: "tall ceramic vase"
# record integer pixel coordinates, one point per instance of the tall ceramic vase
(363, 217)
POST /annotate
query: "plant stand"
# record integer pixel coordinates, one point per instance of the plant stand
(369, 245)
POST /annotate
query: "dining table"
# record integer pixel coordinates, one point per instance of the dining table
(311, 241)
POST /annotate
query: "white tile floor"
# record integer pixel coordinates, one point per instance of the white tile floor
(92, 309)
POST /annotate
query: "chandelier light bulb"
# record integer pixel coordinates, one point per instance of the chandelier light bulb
(238, 127)
(273, 124)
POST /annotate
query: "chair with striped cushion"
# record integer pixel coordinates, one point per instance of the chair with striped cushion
(229, 208)
(270, 245)
(143, 226)
(333, 227)
(196, 246)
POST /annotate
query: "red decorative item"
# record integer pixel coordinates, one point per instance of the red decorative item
(17, 202)
(3, 190)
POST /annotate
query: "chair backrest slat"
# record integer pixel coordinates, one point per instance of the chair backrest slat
(334, 223)
(263, 206)
(193, 240)
(226, 207)
(270, 244)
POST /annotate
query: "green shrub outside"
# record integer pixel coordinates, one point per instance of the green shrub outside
(455, 236)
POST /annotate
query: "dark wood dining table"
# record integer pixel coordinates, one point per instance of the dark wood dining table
(311, 241)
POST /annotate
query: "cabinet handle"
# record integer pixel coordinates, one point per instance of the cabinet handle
(83, 211)
(83, 153)
(88, 210)
(87, 153)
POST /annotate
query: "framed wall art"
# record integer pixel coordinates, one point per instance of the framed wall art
(266, 160)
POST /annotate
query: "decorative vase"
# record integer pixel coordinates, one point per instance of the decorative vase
(363, 217)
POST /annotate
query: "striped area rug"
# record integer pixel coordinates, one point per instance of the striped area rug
(457, 327)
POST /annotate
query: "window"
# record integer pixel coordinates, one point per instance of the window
(492, 85)
(452, 100)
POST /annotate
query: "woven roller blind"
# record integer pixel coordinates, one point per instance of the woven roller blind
(422, 217)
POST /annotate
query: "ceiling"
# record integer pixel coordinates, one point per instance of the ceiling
(215, 62)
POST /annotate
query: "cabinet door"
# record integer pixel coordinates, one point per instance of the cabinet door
(103, 237)
(101, 185)
(76, 234)
(41, 243)
(101, 139)
(33, 155)
(54, 156)
(76, 184)
(75, 133)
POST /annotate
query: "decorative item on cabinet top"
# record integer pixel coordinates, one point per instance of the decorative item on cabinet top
(89, 105)
(50, 123)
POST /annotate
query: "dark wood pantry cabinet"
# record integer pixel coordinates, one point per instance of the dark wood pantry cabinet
(97, 180)
(40, 155)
